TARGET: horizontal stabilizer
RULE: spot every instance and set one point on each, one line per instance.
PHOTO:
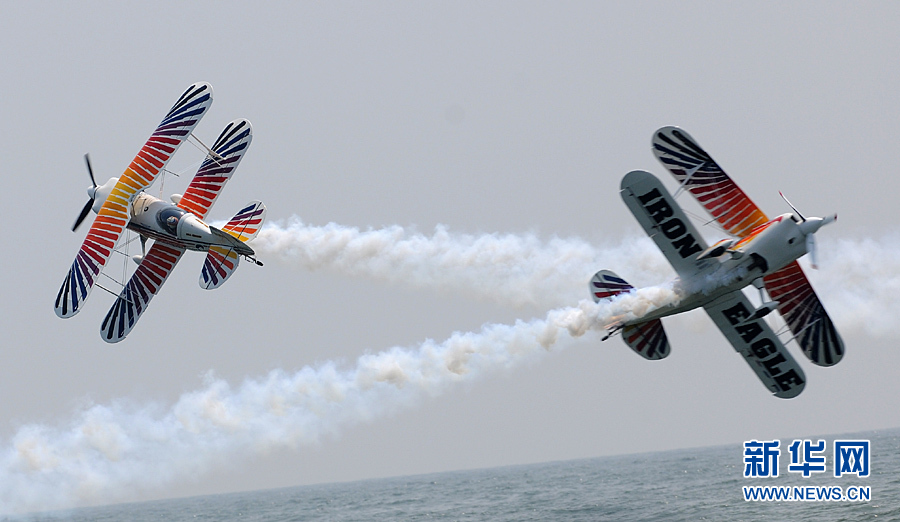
(647, 339)
(246, 224)
(606, 284)
(220, 263)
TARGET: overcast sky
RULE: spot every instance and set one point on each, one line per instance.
(512, 118)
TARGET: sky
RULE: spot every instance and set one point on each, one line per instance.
(461, 161)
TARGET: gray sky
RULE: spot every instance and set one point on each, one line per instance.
(502, 117)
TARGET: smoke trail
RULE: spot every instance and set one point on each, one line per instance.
(517, 270)
(859, 281)
(118, 451)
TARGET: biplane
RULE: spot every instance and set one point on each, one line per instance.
(761, 251)
(122, 203)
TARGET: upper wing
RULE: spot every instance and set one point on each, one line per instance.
(663, 220)
(759, 345)
(113, 215)
(216, 171)
(696, 171)
(143, 285)
(805, 315)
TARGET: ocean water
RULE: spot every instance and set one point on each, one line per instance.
(689, 484)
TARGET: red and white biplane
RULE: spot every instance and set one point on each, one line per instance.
(761, 252)
(121, 203)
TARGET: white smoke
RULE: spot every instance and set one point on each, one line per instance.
(116, 451)
(859, 279)
(517, 270)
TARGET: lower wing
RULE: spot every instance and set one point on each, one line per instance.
(146, 281)
(759, 345)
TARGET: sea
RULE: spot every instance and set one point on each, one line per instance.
(688, 484)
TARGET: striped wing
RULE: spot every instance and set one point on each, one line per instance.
(216, 171)
(698, 173)
(143, 285)
(805, 316)
(245, 225)
(113, 216)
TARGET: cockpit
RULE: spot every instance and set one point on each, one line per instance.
(168, 219)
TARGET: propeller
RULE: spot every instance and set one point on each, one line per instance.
(809, 227)
(91, 192)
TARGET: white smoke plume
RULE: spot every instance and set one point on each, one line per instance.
(116, 451)
(121, 450)
(859, 279)
(517, 270)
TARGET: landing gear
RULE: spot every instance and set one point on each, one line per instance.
(140, 257)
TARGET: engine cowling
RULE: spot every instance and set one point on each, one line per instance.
(99, 194)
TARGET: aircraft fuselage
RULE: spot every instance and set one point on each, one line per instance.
(156, 219)
(765, 250)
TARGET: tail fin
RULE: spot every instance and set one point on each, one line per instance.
(222, 261)
(647, 339)
(245, 225)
